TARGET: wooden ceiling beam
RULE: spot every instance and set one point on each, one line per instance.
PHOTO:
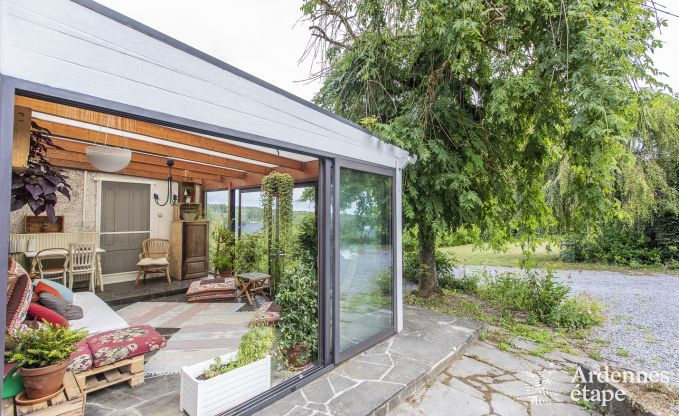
(98, 137)
(309, 173)
(136, 166)
(78, 147)
(154, 130)
(70, 164)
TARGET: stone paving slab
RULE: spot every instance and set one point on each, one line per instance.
(376, 381)
(373, 382)
(489, 381)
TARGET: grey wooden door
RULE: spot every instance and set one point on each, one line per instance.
(125, 224)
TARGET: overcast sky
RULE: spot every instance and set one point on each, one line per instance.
(264, 37)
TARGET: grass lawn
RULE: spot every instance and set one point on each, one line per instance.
(542, 258)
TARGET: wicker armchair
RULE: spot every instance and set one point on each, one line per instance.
(153, 259)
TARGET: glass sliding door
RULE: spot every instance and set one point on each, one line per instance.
(365, 259)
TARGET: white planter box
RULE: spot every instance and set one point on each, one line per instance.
(213, 396)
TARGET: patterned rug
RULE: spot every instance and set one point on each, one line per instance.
(206, 330)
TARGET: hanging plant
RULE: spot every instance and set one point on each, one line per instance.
(278, 226)
(38, 184)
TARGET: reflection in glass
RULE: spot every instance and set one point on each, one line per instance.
(365, 256)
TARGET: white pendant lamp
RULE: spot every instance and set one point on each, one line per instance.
(107, 158)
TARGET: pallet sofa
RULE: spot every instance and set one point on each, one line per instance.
(114, 352)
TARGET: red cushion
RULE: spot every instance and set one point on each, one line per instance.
(41, 313)
(81, 359)
(119, 344)
(19, 294)
(42, 287)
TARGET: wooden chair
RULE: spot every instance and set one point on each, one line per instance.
(82, 260)
(153, 258)
(52, 264)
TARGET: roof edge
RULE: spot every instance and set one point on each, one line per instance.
(162, 37)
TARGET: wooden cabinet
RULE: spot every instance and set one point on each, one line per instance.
(189, 254)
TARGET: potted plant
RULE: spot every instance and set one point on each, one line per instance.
(37, 186)
(277, 191)
(42, 356)
(213, 386)
(188, 193)
(298, 302)
(224, 253)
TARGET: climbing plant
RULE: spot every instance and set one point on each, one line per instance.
(277, 203)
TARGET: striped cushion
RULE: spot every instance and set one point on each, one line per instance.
(19, 294)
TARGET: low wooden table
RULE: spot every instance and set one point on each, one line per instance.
(70, 402)
(253, 284)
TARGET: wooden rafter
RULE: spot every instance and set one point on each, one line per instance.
(135, 166)
(93, 136)
(154, 130)
(308, 173)
(77, 147)
(70, 164)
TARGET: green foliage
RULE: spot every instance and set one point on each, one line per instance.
(461, 236)
(254, 345)
(277, 187)
(491, 97)
(224, 252)
(384, 283)
(468, 283)
(618, 244)
(49, 345)
(530, 291)
(298, 300)
(307, 240)
(250, 252)
(579, 312)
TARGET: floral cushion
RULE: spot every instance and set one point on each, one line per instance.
(210, 290)
(19, 294)
(267, 314)
(120, 344)
(81, 359)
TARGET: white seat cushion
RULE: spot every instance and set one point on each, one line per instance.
(97, 315)
(148, 261)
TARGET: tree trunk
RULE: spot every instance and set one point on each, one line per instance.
(429, 284)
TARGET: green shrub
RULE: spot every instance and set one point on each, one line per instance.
(250, 254)
(468, 283)
(306, 240)
(623, 245)
(223, 254)
(255, 344)
(49, 345)
(298, 300)
(531, 291)
(578, 312)
(384, 283)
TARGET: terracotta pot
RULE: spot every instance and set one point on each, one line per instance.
(41, 382)
(293, 355)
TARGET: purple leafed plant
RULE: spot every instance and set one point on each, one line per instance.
(38, 185)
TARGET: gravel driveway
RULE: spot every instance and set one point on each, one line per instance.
(642, 326)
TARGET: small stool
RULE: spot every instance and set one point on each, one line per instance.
(212, 290)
